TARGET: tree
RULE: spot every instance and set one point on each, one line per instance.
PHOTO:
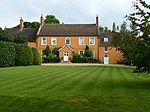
(51, 19)
(4, 36)
(20, 39)
(47, 51)
(141, 19)
(30, 25)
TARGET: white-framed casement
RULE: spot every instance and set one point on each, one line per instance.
(93, 53)
(43, 41)
(105, 39)
(106, 49)
(53, 41)
(81, 40)
(81, 52)
(67, 41)
(91, 41)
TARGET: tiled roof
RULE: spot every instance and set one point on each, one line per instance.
(105, 35)
(68, 30)
(29, 33)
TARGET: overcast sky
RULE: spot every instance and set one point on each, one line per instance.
(67, 11)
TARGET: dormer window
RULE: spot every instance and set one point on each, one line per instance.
(67, 41)
(105, 39)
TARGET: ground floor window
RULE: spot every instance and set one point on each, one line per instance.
(81, 52)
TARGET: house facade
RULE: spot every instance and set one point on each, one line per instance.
(71, 38)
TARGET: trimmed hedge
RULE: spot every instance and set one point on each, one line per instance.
(37, 59)
(24, 55)
(7, 54)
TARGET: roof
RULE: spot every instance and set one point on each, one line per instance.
(29, 33)
(66, 46)
(105, 35)
(68, 30)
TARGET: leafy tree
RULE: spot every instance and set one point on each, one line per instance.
(30, 25)
(47, 51)
(4, 36)
(51, 19)
(56, 52)
(141, 19)
(37, 59)
(88, 53)
(21, 40)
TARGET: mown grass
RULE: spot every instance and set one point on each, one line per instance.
(73, 89)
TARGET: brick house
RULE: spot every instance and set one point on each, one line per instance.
(70, 38)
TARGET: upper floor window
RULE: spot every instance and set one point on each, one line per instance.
(67, 41)
(81, 41)
(92, 41)
(106, 49)
(43, 41)
(53, 41)
(105, 39)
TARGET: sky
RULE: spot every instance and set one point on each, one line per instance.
(67, 11)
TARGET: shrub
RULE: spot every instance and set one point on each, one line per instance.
(7, 54)
(36, 57)
(85, 60)
(55, 51)
(47, 51)
(76, 58)
(24, 55)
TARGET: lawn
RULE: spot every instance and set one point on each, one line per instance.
(73, 89)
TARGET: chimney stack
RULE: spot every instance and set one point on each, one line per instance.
(97, 22)
(21, 23)
(113, 27)
(42, 20)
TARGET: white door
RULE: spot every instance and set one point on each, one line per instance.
(106, 59)
(66, 56)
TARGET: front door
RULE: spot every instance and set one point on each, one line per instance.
(66, 56)
(106, 59)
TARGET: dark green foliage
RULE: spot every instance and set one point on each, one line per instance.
(30, 25)
(88, 54)
(4, 36)
(76, 58)
(55, 51)
(7, 54)
(84, 60)
(24, 55)
(86, 48)
(51, 19)
(51, 58)
(37, 60)
(47, 51)
(20, 40)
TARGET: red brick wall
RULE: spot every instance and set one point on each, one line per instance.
(74, 43)
(113, 55)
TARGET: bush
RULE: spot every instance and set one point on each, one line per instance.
(36, 57)
(51, 58)
(24, 55)
(84, 60)
(7, 54)
(76, 58)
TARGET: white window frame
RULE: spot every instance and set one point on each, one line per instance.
(105, 49)
(81, 50)
(69, 39)
(43, 41)
(105, 39)
(80, 42)
(93, 52)
(53, 38)
(90, 40)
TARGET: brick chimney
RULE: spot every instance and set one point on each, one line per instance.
(42, 20)
(21, 23)
(97, 22)
(113, 27)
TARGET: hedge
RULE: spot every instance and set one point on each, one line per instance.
(7, 54)
(24, 55)
(37, 59)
